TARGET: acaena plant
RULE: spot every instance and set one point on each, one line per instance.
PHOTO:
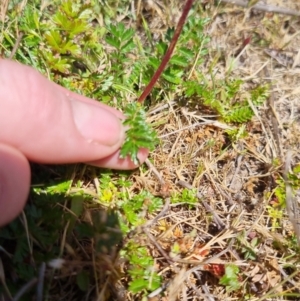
(139, 133)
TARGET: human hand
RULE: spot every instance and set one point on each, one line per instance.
(43, 122)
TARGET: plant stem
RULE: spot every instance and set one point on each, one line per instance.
(169, 52)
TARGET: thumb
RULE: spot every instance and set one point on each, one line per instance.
(14, 183)
(50, 124)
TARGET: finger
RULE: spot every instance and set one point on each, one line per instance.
(49, 124)
(14, 183)
(113, 161)
(87, 100)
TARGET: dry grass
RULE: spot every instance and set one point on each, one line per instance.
(235, 180)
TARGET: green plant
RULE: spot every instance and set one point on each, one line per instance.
(186, 196)
(231, 278)
(130, 213)
(29, 244)
(139, 133)
(276, 215)
(136, 208)
(135, 136)
(280, 189)
(248, 249)
(237, 133)
(81, 46)
(144, 277)
(133, 213)
(278, 202)
(225, 98)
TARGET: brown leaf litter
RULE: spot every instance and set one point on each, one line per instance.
(236, 181)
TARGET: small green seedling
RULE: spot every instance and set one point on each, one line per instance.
(231, 279)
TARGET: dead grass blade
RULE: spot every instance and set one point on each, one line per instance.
(292, 206)
(266, 8)
(16, 46)
(3, 9)
(2, 280)
(176, 285)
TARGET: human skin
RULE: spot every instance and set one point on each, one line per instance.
(43, 122)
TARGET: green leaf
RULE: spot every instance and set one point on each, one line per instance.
(172, 76)
(117, 30)
(187, 53)
(239, 114)
(59, 188)
(71, 48)
(230, 279)
(127, 47)
(155, 204)
(127, 34)
(112, 41)
(131, 216)
(85, 230)
(57, 63)
(155, 282)
(193, 88)
(54, 39)
(60, 19)
(259, 95)
(161, 48)
(83, 280)
(139, 135)
(138, 285)
(77, 27)
(179, 61)
(296, 169)
(30, 22)
(154, 62)
(231, 271)
(68, 8)
(107, 83)
(77, 205)
(77, 209)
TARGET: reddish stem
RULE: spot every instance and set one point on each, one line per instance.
(169, 52)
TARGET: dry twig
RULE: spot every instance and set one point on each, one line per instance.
(291, 202)
(273, 118)
(16, 45)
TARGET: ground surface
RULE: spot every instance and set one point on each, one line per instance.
(236, 181)
(237, 220)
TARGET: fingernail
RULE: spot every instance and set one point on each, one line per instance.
(97, 124)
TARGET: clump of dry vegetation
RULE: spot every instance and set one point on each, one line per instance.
(213, 214)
